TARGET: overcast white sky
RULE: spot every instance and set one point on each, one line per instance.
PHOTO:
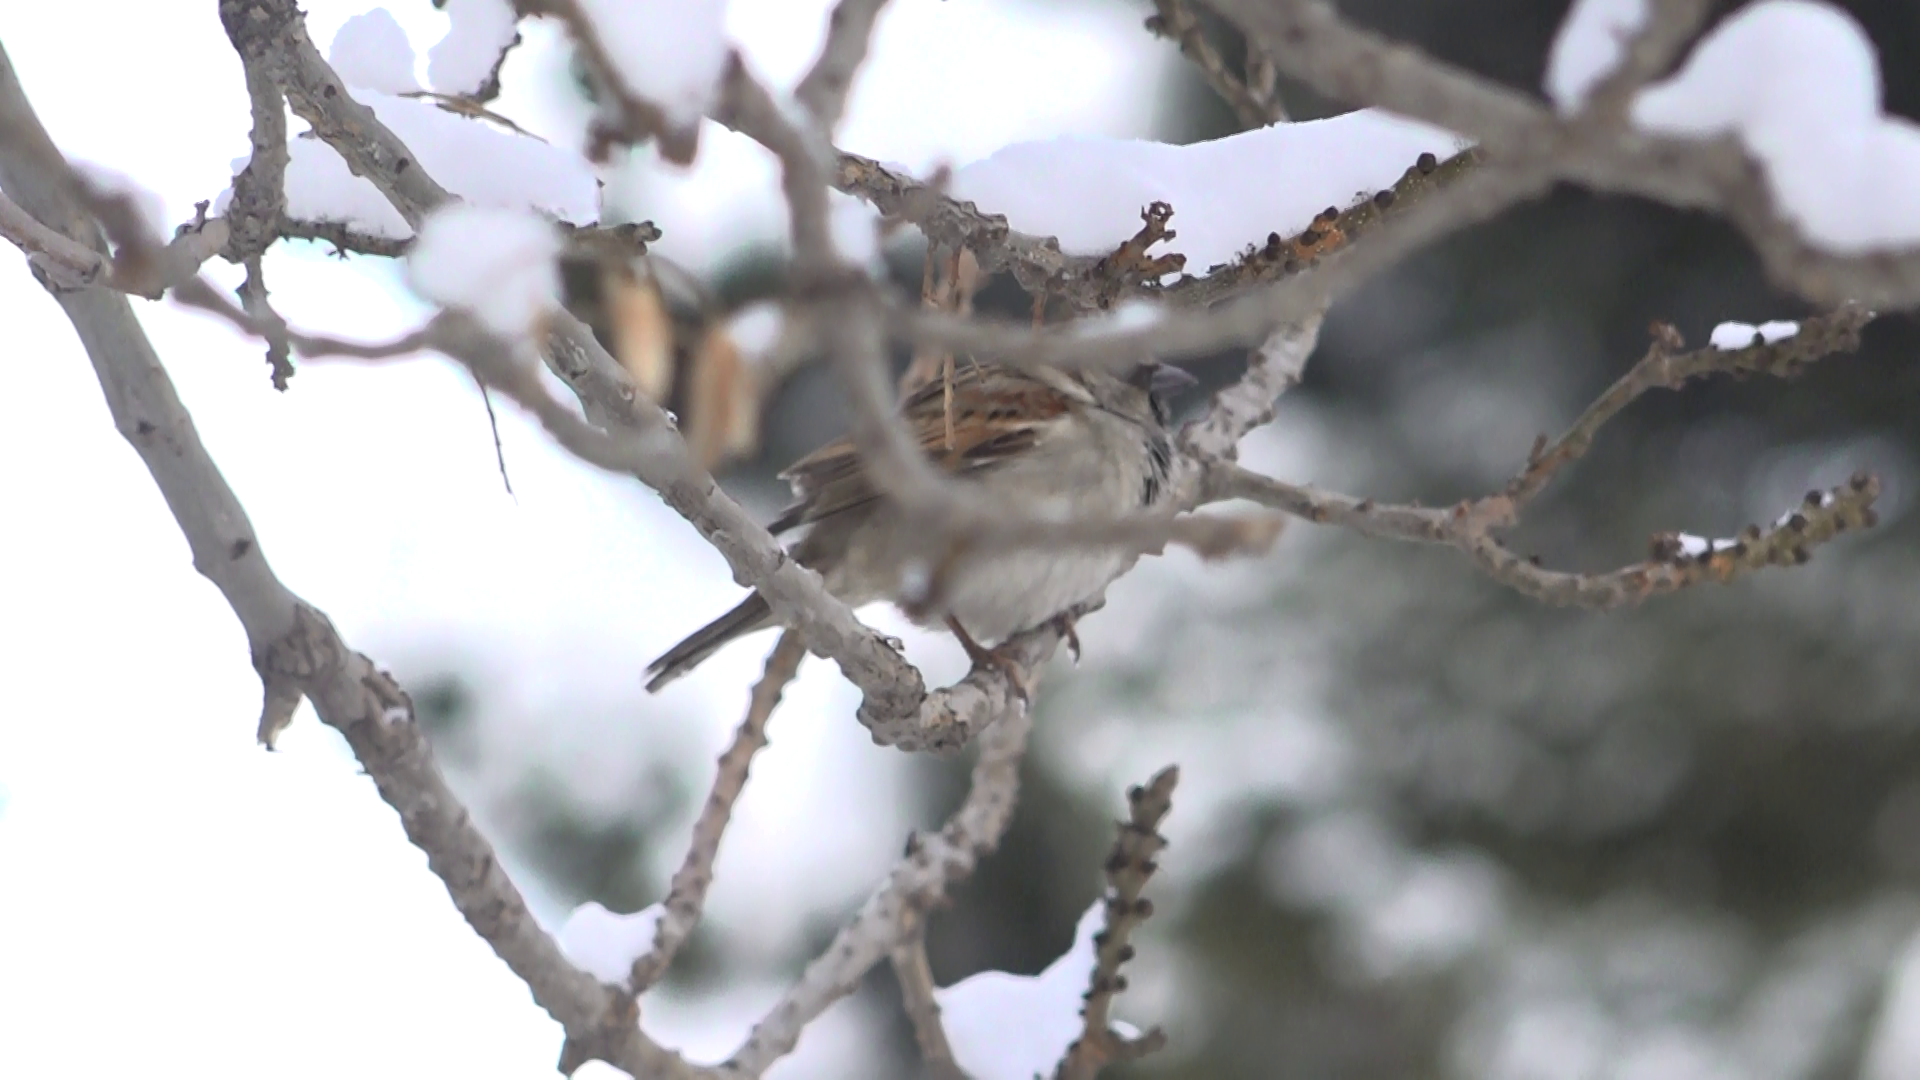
(173, 897)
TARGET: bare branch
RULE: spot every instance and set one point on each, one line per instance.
(1128, 869)
(687, 893)
(915, 976)
(1665, 367)
(344, 238)
(1670, 26)
(930, 868)
(624, 117)
(1177, 21)
(295, 649)
(1469, 526)
(1310, 41)
(824, 90)
(68, 264)
(260, 190)
(1273, 369)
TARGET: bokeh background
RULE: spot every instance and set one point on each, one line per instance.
(1426, 828)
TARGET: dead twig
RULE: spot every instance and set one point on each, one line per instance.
(687, 892)
(1128, 869)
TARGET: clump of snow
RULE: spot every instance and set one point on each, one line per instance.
(1799, 83)
(1817, 500)
(1226, 194)
(669, 52)
(472, 159)
(1589, 47)
(1016, 1027)
(600, 1070)
(1693, 547)
(1133, 314)
(604, 944)
(496, 265)
(855, 228)
(756, 329)
(478, 31)
(1730, 336)
(371, 50)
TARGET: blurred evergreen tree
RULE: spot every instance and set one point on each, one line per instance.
(1689, 825)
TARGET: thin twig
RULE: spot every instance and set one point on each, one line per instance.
(933, 866)
(1468, 527)
(915, 976)
(824, 89)
(1128, 870)
(493, 425)
(1665, 367)
(1669, 26)
(687, 892)
(1177, 20)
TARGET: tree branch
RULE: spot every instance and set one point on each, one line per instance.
(1177, 21)
(1128, 869)
(915, 976)
(1313, 43)
(930, 868)
(687, 893)
(296, 650)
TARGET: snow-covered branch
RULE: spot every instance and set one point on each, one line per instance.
(1829, 207)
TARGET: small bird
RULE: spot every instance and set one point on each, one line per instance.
(1079, 443)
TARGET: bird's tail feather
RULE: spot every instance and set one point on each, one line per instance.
(750, 615)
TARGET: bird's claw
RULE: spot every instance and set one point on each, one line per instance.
(1063, 625)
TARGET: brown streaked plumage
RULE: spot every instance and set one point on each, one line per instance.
(1082, 443)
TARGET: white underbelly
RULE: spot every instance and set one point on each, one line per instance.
(998, 598)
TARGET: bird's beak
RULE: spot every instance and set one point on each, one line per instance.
(1168, 380)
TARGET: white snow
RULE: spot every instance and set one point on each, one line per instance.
(600, 1070)
(1226, 194)
(603, 943)
(1589, 47)
(497, 265)
(370, 50)
(756, 329)
(480, 163)
(1133, 314)
(1799, 83)
(669, 52)
(478, 32)
(855, 228)
(1729, 336)
(1826, 499)
(1693, 547)
(474, 160)
(1016, 1027)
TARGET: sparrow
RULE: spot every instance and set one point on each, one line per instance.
(1074, 443)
